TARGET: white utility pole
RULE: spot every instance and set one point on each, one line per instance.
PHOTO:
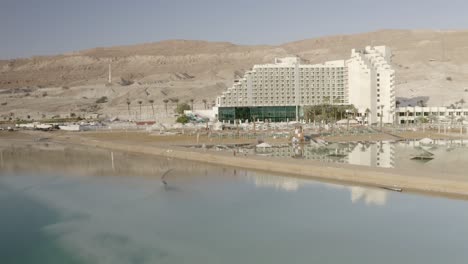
(110, 74)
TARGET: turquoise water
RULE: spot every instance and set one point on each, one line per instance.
(87, 206)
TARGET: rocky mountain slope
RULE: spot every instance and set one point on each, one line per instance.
(432, 65)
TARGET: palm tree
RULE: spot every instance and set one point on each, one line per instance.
(191, 103)
(461, 102)
(353, 110)
(381, 116)
(452, 117)
(325, 102)
(128, 106)
(397, 121)
(368, 111)
(151, 101)
(433, 118)
(140, 102)
(421, 104)
(407, 115)
(336, 101)
(165, 101)
(176, 101)
(204, 102)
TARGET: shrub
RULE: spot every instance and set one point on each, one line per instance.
(44, 94)
(102, 100)
(182, 119)
(65, 87)
(126, 82)
(449, 79)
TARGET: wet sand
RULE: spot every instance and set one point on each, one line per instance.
(451, 185)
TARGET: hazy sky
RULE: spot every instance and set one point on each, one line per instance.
(39, 27)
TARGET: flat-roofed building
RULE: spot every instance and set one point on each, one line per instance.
(433, 114)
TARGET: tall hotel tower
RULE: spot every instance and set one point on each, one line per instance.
(279, 91)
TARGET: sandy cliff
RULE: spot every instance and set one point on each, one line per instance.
(432, 64)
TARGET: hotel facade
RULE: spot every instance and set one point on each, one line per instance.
(279, 91)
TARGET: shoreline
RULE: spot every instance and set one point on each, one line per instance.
(342, 173)
(450, 186)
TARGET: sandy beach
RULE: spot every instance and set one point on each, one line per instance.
(427, 182)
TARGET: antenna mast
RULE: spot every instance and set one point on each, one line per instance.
(110, 74)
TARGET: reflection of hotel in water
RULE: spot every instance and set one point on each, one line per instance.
(276, 182)
(369, 196)
(374, 155)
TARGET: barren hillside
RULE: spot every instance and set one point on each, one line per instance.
(432, 64)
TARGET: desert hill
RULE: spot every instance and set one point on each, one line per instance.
(432, 65)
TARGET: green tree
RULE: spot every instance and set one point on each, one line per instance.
(182, 107)
(182, 119)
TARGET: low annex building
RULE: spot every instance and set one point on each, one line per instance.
(279, 91)
(434, 114)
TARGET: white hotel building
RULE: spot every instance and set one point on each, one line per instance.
(280, 90)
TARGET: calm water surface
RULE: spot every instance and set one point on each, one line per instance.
(59, 205)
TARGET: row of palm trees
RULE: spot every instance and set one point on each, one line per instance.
(166, 102)
(331, 113)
